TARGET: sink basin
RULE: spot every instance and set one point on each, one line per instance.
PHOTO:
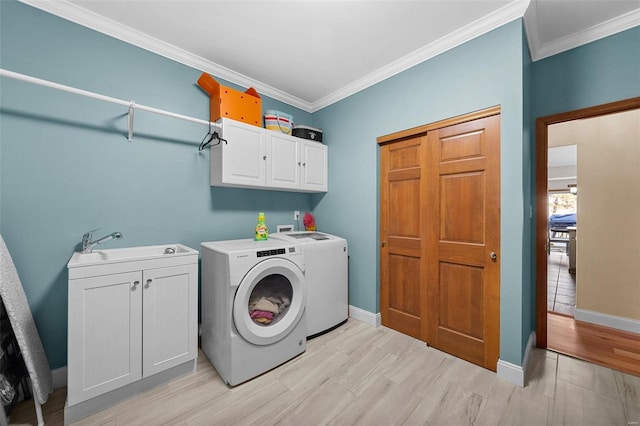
(129, 254)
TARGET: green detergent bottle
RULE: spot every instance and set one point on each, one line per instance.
(262, 233)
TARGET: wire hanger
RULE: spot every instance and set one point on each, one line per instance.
(211, 136)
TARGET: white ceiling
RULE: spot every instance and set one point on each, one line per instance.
(311, 54)
(560, 156)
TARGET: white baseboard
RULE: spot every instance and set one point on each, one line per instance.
(513, 373)
(606, 320)
(364, 316)
(59, 377)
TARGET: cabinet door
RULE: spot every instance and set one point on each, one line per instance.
(241, 161)
(283, 161)
(314, 166)
(170, 317)
(105, 334)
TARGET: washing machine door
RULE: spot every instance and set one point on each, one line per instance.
(269, 301)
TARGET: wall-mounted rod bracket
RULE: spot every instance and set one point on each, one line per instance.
(132, 106)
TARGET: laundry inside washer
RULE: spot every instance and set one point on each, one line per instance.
(270, 299)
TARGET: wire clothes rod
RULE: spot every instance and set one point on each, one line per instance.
(130, 104)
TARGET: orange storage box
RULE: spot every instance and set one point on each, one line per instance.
(230, 103)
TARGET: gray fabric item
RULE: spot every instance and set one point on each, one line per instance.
(17, 306)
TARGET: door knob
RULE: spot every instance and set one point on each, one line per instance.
(493, 255)
(383, 243)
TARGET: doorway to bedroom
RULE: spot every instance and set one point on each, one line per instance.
(562, 187)
(604, 327)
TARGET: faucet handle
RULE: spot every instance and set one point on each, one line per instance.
(89, 234)
(86, 238)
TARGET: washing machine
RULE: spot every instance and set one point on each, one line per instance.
(253, 306)
(327, 277)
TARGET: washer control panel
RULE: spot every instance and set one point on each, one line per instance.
(273, 252)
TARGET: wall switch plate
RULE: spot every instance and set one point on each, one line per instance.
(296, 215)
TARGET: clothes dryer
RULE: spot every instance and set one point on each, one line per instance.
(253, 306)
(327, 278)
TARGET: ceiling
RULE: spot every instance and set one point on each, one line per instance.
(311, 54)
(560, 156)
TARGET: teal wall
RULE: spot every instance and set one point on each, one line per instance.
(481, 73)
(604, 71)
(66, 165)
(528, 162)
(600, 72)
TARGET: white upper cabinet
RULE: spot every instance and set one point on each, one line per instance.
(241, 160)
(283, 169)
(314, 166)
(253, 157)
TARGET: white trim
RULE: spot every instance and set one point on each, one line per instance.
(510, 372)
(531, 343)
(530, 22)
(513, 373)
(59, 377)
(364, 316)
(500, 17)
(71, 12)
(79, 15)
(606, 320)
(580, 38)
(504, 15)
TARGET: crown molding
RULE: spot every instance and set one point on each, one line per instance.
(502, 16)
(530, 22)
(596, 32)
(71, 12)
(512, 11)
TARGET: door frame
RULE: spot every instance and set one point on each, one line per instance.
(542, 208)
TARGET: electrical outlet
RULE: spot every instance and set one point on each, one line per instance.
(296, 215)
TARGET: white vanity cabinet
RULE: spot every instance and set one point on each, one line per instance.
(128, 321)
(105, 334)
(258, 158)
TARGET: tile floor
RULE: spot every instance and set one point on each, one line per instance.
(561, 285)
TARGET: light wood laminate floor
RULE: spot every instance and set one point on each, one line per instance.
(602, 345)
(364, 375)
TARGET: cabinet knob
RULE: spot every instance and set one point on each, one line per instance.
(148, 282)
(135, 285)
(264, 158)
(304, 164)
(299, 163)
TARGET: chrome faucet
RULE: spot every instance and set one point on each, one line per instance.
(88, 245)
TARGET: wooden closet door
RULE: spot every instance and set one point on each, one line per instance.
(464, 239)
(402, 230)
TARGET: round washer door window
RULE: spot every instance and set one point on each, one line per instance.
(270, 301)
